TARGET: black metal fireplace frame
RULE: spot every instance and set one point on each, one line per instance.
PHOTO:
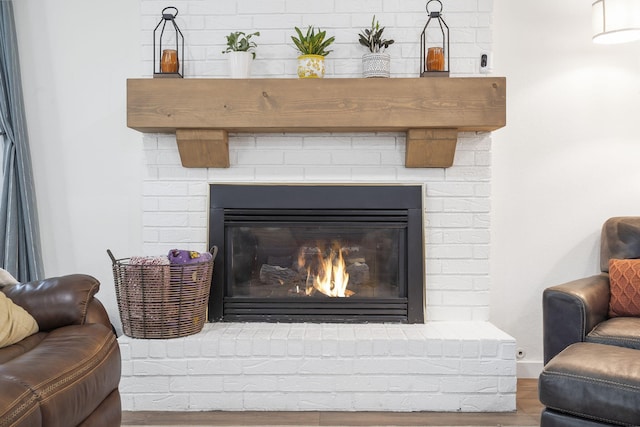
(397, 204)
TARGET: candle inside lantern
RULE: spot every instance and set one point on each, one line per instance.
(435, 59)
(169, 61)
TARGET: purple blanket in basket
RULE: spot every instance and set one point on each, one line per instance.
(188, 267)
(181, 256)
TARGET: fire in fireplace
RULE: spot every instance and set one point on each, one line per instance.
(324, 253)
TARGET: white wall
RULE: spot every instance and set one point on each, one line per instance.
(75, 57)
(566, 161)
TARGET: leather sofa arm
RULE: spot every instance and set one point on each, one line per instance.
(96, 313)
(59, 301)
(571, 310)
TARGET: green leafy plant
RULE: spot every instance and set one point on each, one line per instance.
(312, 43)
(371, 38)
(241, 42)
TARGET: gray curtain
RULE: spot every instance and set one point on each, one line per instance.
(19, 232)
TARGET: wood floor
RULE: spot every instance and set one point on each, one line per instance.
(527, 414)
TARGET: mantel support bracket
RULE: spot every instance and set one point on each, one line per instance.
(431, 148)
(203, 148)
(209, 148)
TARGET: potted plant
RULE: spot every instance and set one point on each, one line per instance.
(241, 50)
(313, 48)
(376, 63)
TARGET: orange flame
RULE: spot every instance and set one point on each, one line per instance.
(331, 277)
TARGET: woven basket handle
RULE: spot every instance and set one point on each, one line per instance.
(113, 259)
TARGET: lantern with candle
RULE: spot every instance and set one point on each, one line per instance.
(168, 46)
(434, 43)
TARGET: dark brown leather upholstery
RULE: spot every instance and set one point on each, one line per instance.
(594, 382)
(67, 374)
(551, 418)
(592, 362)
(620, 239)
(619, 331)
(55, 302)
(572, 310)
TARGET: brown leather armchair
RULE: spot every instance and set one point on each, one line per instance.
(592, 367)
(68, 373)
(577, 311)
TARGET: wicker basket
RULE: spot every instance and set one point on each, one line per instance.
(162, 301)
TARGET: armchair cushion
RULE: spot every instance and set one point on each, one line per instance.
(15, 323)
(624, 281)
(618, 331)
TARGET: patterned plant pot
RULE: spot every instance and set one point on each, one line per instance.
(240, 64)
(376, 65)
(310, 66)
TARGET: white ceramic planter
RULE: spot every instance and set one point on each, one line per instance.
(240, 64)
(310, 66)
(376, 65)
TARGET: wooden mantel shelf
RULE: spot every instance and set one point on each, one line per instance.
(201, 112)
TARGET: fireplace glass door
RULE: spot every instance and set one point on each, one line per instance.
(294, 260)
(303, 260)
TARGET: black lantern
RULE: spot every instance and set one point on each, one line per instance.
(168, 47)
(434, 43)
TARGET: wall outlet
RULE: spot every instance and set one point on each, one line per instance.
(486, 62)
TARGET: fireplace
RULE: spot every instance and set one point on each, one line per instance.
(319, 253)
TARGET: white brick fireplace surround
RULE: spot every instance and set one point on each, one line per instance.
(457, 361)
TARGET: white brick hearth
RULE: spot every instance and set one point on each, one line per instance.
(457, 361)
(438, 366)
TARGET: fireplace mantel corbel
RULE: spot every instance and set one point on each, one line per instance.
(201, 112)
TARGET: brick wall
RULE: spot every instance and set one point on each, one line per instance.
(457, 199)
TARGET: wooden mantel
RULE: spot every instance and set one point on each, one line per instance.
(201, 112)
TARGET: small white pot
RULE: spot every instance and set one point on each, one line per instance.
(240, 64)
(376, 65)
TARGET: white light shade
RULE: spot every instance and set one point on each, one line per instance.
(616, 21)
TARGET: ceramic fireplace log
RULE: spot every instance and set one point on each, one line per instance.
(276, 275)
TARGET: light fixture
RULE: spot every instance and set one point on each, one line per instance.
(434, 44)
(165, 61)
(615, 21)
